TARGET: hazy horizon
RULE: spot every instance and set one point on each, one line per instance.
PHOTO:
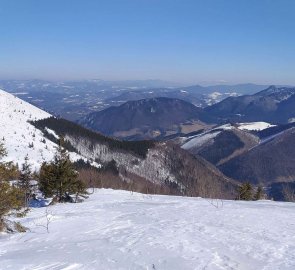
(186, 42)
(163, 82)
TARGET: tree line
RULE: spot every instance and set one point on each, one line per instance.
(62, 126)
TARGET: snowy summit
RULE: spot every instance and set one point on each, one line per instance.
(20, 137)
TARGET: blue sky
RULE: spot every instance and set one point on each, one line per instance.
(187, 41)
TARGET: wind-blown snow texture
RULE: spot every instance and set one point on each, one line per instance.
(21, 138)
(120, 230)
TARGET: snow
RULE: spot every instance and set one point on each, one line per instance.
(120, 230)
(200, 140)
(205, 137)
(16, 133)
(224, 127)
(255, 126)
(215, 95)
(52, 132)
(232, 94)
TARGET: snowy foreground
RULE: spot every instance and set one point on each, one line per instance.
(120, 230)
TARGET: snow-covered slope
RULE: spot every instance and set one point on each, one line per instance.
(19, 136)
(254, 126)
(215, 97)
(208, 136)
(204, 137)
(118, 230)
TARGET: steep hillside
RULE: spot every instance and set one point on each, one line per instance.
(20, 137)
(162, 164)
(220, 144)
(256, 152)
(271, 161)
(274, 104)
(146, 119)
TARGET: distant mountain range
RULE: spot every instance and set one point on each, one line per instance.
(201, 96)
(75, 99)
(161, 117)
(274, 104)
(144, 166)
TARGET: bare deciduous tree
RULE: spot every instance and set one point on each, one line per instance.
(289, 193)
(48, 219)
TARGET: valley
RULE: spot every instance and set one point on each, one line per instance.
(147, 135)
(188, 145)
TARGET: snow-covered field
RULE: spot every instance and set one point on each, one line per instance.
(120, 230)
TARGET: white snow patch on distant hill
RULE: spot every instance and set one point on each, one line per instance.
(254, 126)
(199, 140)
(120, 230)
(214, 95)
(224, 127)
(203, 138)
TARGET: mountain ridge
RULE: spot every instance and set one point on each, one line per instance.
(274, 105)
(146, 118)
(158, 167)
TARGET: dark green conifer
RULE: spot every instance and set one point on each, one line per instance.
(59, 178)
(245, 192)
(25, 180)
(10, 196)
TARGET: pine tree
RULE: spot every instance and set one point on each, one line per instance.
(25, 180)
(10, 196)
(59, 178)
(2, 150)
(47, 179)
(245, 192)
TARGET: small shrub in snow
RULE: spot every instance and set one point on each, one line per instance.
(19, 228)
